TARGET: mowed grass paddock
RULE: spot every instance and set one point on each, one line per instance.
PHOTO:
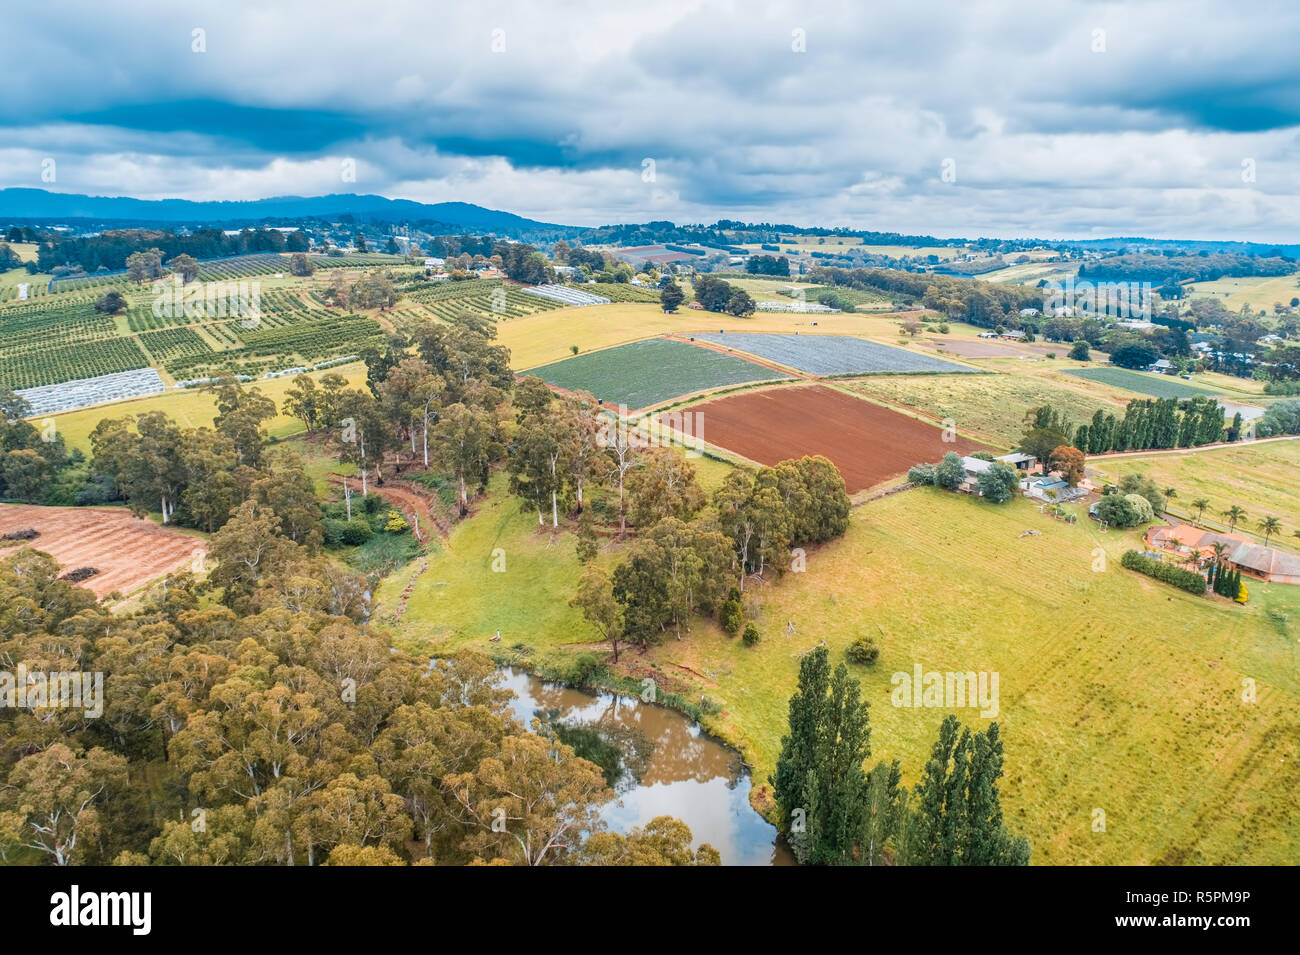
(991, 406)
(1115, 692)
(1264, 479)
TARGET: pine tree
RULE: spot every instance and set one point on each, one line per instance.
(799, 746)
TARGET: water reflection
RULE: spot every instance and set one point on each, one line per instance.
(681, 772)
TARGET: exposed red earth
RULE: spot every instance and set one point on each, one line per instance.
(869, 444)
(127, 551)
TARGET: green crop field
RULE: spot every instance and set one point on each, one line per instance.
(649, 372)
(1261, 478)
(1115, 691)
(1157, 386)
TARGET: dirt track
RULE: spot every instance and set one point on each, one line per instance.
(868, 443)
(127, 551)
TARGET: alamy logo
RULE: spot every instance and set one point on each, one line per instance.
(175, 299)
(75, 907)
(947, 690)
(66, 690)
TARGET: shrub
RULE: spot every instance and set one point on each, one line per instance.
(921, 474)
(396, 523)
(1242, 595)
(1187, 580)
(28, 533)
(1050, 354)
(355, 532)
(731, 616)
(943, 328)
(1080, 351)
(863, 650)
(751, 635)
(582, 669)
(1123, 510)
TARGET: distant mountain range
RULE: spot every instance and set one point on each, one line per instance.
(53, 207)
(39, 206)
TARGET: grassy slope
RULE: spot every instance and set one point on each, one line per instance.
(1257, 291)
(1261, 479)
(1116, 691)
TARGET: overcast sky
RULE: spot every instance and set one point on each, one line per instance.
(1167, 119)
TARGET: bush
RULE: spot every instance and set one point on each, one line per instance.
(943, 328)
(1080, 351)
(583, 669)
(921, 474)
(341, 533)
(751, 635)
(730, 615)
(395, 523)
(863, 651)
(1050, 355)
(1187, 580)
(1123, 510)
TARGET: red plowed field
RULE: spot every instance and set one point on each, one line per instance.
(127, 551)
(868, 443)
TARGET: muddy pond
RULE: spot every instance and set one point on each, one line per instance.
(659, 763)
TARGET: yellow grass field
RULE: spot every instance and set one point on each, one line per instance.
(1115, 692)
(1259, 478)
(192, 408)
(1257, 291)
(989, 407)
(546, 336)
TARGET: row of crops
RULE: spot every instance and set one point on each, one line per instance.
(487, 297)
(621, 292)
(173, 343)
(323, 337)
(53, 364)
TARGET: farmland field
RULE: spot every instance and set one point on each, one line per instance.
(193, 408)
(991, 407)
(649, 372)
(1261, 478)
(1257, 291)
(127, 551)
(868, 443)
(1157, 386)
(834, 354)
(1145, 722)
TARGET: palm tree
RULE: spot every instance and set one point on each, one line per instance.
(1270, 526)
(1169, 492)
(1201, 503)
(1233, 514)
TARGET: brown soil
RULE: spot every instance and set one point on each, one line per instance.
(868, 443)
(127, 551)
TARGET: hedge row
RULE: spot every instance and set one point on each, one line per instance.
(1187, 580)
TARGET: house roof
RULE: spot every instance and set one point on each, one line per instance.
(976, 465)
(1266, 560)
(1188, 536)
(1015, 457)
